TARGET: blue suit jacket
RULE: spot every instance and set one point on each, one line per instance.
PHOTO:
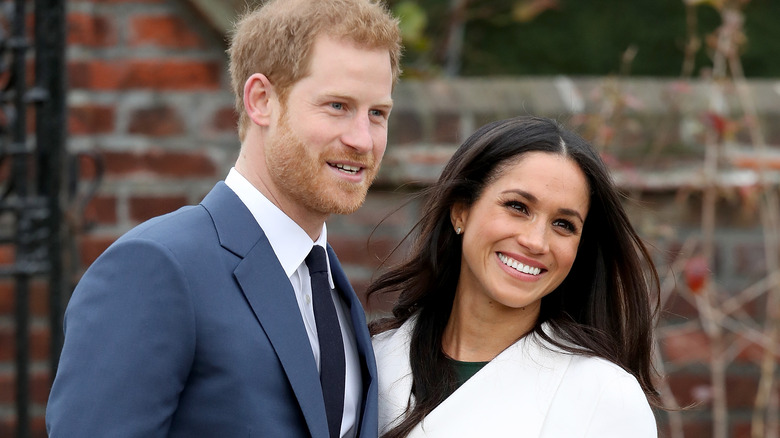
(187, 326)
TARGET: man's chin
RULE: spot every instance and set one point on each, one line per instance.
(347, 203)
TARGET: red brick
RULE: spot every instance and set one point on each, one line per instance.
(91, 30)
(37, 427)
(386, 211)
(101, 210)
(163, 163)
(90, 119)
(741, 390)
(122, 163)
(8, 424)
(405, 128)
(98, 75)
(5, 165)
(677, 307)
(143, 208)
(225, 119)
(93, 246)
(7, 254)
(175, 75)
(7, 388)
(88, 164)
(7, 298)
(741, 429)
(31, 122)
(163, 31)
(40, 383)
(38, 296)
(690, 389)
(697, 429)
(447, 128)
(158, 74)
(180, 164)
(7, 349)
(683, 347)
(158, 122)
(358, 251)
(39, 343)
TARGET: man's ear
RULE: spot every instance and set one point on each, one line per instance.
(259, 99)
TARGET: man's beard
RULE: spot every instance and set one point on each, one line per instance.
(300, 175)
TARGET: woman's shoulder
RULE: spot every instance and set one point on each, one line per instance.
(394, 338)
(598, 367)
(582, 363)
(597, 374)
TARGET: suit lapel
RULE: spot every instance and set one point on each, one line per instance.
(272, 299)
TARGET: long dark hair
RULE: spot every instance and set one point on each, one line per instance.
(602, 308)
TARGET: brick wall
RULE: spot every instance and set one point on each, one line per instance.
(149, 95)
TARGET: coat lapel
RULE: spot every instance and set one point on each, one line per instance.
(521, 380)
(272, 299)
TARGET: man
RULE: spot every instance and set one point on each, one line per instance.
(204, 322)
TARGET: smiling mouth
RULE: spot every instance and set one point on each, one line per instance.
(351, 170)
(512, 263)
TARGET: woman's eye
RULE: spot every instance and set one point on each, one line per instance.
(519, 206)
(566, 225)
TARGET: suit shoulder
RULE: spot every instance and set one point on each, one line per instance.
(183, 218)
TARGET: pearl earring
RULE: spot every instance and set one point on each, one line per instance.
(459, 230)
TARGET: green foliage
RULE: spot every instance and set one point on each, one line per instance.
(577, 37)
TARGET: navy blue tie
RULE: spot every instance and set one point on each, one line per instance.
(332, 362)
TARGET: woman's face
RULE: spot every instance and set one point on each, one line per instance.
(520, 237)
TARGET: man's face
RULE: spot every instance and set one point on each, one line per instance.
(332, 131)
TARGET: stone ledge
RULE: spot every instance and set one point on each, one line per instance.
(420, 165)
(562, 95)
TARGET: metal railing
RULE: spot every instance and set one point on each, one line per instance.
(33, 169)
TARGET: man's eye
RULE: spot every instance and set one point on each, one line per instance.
(337, 105)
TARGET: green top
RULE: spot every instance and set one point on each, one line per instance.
(464, 370)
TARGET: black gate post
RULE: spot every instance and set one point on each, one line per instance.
(51, 123)
(19, 46)
(32, 196)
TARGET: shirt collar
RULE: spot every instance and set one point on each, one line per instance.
(289, 241)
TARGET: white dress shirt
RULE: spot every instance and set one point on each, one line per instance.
(291, 245)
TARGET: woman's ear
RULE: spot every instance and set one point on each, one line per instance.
(259, 99)
(459, 214)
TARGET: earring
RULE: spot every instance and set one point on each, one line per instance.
(458, 230)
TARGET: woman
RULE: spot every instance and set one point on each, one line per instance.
(524, 308)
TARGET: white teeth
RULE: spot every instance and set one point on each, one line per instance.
(346, 168)
(519, 266)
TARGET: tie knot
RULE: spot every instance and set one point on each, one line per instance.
(316, 260)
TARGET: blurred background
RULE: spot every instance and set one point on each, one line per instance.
(114, 111)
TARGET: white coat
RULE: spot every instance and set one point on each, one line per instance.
(532, 389)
